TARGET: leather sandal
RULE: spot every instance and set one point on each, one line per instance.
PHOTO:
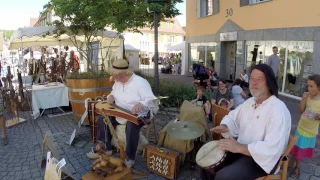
(296, 173)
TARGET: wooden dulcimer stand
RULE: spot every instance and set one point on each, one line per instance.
(107, 110)
(14, 101)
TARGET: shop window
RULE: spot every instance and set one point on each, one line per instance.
(295, 63)
(205, 51)
(299, 64)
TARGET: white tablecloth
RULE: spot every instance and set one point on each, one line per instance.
(48, 96)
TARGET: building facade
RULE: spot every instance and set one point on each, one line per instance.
(170, 33)
(233, 35)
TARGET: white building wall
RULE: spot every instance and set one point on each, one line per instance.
(145, 41)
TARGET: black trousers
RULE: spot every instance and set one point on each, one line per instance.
(244, 84)
(238, 166)
(132, 135)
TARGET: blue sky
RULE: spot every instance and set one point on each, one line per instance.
(17, 13)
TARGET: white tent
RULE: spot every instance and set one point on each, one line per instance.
(36, 55)
(180, 48)
(44, 36)
(132, 54)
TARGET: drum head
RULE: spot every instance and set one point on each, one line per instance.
(209, 154)
(226, 135)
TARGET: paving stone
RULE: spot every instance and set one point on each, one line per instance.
(290, 178)
(77, 176)
(314, 178)
(35, 175)
(304, 176)
(18, 177)
(307, 168)
(11, 173)
(26, 176)
(26, 171)
(317, 171)
(80, 144)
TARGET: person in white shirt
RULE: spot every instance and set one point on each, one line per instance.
(238, 93)
(244, 78)
(130, 92)
(262, 126)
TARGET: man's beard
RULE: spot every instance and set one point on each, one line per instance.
(257, 94)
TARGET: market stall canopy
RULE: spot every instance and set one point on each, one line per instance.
(45, 36)
(128, 47)
(177, 47)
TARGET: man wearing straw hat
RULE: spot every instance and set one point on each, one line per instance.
(130, 92)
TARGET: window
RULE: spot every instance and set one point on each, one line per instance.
(295, 62)
(207, 7)
(258, 1)
(206, 51)
(248, 2)
(172, 38)
(168, 23)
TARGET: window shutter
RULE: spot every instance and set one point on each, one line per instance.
(198, 9)
(216, 6)
(244, 2)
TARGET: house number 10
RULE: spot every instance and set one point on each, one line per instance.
(229, 12)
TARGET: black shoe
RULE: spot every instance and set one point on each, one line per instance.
(5, 140)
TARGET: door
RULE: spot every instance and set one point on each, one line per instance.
(231, 60)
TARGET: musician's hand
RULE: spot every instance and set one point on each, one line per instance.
(230, 145)
(220, 129)
(110, 99)
(137, 108)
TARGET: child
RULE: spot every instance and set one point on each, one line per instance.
(307, 129)
(202, 101)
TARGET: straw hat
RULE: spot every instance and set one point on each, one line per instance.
(200, 61)
(120, 66)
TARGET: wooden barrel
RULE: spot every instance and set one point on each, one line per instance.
(81, 89)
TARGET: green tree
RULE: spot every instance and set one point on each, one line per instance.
(88, 17)
(7, 33)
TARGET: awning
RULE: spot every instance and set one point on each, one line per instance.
(44, 36)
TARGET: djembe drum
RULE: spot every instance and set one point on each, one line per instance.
(211, 157)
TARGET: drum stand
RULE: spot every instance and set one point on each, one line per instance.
(193, 153)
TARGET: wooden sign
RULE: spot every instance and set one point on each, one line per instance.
(47, 142)
(163, 162)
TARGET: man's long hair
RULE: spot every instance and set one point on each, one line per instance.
(270, 77)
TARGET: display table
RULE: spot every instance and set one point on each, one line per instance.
(48, 96)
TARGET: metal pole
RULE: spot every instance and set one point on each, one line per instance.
(156, 55)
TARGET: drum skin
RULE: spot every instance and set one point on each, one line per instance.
(211, 157)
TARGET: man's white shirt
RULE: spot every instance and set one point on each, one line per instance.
(265, 130)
